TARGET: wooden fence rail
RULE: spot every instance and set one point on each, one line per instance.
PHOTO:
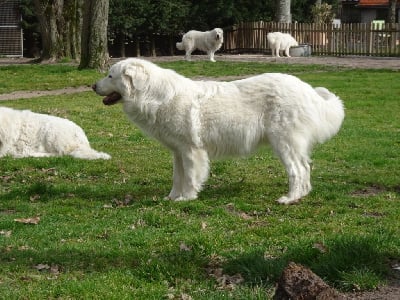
(324, 39)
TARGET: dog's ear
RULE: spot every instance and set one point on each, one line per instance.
(137, 76)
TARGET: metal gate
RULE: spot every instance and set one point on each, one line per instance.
(11, 40)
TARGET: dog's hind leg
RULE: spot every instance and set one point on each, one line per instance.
(287, 51)
(188, 54)
(294, 155)
(299, 179)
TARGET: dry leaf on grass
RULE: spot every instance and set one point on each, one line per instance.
(24, 248)
(321, 247)
(53, 269)
(34, 220)
(224, 281)
(228, 282)
(35, 197)
(42, 267)
(203, 225)
(6, 233)
(184, 247)
(122, 203)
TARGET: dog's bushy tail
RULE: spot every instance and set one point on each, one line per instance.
(179, 46)
(332, 114)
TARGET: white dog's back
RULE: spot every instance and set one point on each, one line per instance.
(279, 41)
(25, 133)
(207, 41)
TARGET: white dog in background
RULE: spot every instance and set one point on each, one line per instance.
(208, 41)
(202, 120)
(279, 41)
(27, 134)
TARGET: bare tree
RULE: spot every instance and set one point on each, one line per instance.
(94, 35)
(283, 14)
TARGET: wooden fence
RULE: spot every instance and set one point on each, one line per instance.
(324, 39)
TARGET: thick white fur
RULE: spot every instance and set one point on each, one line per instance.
(208, 41)
(281, 41)
(27, 134)
(202, 120)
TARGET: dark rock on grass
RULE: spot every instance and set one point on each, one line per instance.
(300, 283)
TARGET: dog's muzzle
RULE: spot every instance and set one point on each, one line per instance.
(110, 99)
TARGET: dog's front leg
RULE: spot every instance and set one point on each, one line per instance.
(178, 174)
(211, 55)
(195, 166)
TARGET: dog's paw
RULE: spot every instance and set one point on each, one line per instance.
(180, 198)
(287, 201)
(185, 198)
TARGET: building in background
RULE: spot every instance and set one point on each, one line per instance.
(11, 41)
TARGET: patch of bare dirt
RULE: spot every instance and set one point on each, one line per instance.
(346, 61)
(33, 94)
(299, 283)
(369, 191)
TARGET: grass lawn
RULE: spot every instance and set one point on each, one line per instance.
(105, 231)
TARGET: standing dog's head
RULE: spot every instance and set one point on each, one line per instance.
(219, 34)
(122, 80)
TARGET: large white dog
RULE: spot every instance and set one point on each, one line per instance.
(208, 41)
(27, 134)
(201, 120)
(279, 41)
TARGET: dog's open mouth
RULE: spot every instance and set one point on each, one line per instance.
(111, 99)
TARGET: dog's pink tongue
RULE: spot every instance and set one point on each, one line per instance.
(112, 98)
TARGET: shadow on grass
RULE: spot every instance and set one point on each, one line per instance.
(45, 192)
(142, 264)
(344, 262)
(345, 256)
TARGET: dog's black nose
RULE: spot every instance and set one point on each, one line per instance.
(94, 87)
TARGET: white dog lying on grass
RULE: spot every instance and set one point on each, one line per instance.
(27, 134)
(201, 120)
(279, 41)
(208, 41)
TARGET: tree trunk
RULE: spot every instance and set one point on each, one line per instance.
(94, 53)
(57, 21)
(171, 44)
(392, 11)
(121, 43)
(47, 17)
(74, 16)
(137, 46)
(153, 45)
(283, 14)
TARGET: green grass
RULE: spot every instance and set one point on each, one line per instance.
(107, 233)
(43, 77)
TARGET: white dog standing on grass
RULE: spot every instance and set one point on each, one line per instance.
(202, 120)
(279, 41)
(27, 134)
(208, 41)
